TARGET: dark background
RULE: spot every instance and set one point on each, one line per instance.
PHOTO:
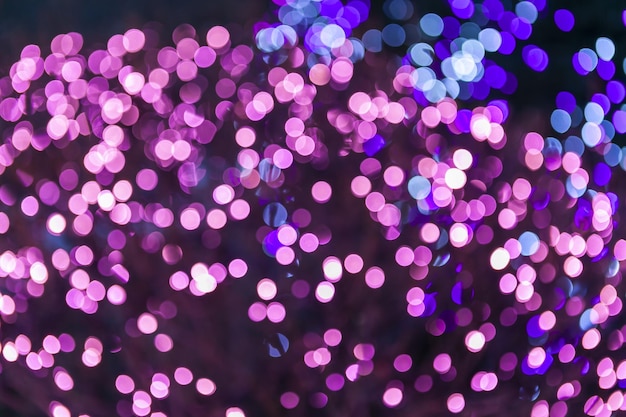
(38, 21)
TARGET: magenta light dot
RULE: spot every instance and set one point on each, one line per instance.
(360, 186)
(429, 233)
(305, 145)
(266, 289)
(619, 250)
(320, 74)
(360, 103)
(508, 283)
(146, 179)
(459, 234)
(475, 341)
(190, 219)
(183, 376)
(124, 384)
(321, 192)
(423, 383)
(122, 190)
(375, 201)
(30, 206)
(38, 272)
(285, 255)
(223, 194)
(332, 337)
(9, 352)
(415, 296)
(404, 256)
(276, 312)
(456, 403)
(58, 126)
(287, 235)
(342, 70)
(147, 323)
(353, 263)
(591, 339)
(364, 351)
(392, 397)
(216, 219)
(294, 127)
(33, 361)
(332, 269)
(163, 342)
(204, 56)
(402, 363)
(239, 209)
(179, 281)
(289, 400)
(375, 277)
(56, 224)
(235, 412)
(422, 256)
(63, 380)
(257, 311)
(442, 363)
(488, 381)
(282, 158)
(116, 295)
(309, 242)
(394, 176)
(217, 37)
(51, 344)
(335, 382)
(205, 386)
(59, 410)
(218, 271)
(325, 292)
(615, 401)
